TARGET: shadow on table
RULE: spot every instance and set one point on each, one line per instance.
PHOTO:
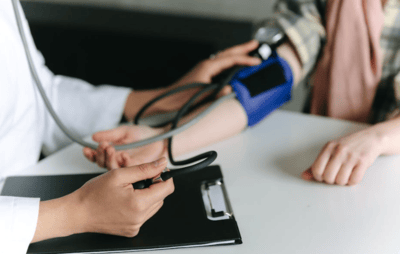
(295, 162)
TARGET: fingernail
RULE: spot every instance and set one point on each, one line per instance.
(306, 177)
(160, 161)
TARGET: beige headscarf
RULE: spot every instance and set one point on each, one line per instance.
(350, 69)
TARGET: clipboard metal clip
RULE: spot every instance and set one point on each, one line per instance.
(216, 201)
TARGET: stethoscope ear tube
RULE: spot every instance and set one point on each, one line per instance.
(76, 138)
(207, 157)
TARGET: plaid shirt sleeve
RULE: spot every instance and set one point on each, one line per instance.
(387, 99)
(302, 22)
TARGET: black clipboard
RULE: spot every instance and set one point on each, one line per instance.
(197, 214)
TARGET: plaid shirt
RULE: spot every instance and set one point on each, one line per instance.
(302, 21)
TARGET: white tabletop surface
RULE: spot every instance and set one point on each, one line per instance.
(276, 211)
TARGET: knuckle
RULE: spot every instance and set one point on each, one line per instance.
(363, 159)
(143, 168)
(353, 156)
(354, 181)
(331, 144)
(328, 178)
(342, 149)
(355, 178)
(341, 181)
(138, 206)
(115, 174)
(316, 173)
(329, 181)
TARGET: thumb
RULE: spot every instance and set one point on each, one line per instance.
(110, 135)
(143, 171)
(307, 175)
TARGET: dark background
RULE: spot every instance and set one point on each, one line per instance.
(126, 48)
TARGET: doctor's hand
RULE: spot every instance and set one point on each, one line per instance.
(106, 204)
(344, 161)
(106, 156)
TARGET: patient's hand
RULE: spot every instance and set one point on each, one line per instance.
(206, 70)
(106, 156)
(344, 161)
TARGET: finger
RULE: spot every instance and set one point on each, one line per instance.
(223, 63)
(357, 173)
(244, 48)
(101, 155)
(344, 173)
(143, 171)
(111, 161)
(333, 166)
(110, 135)
(89, 154)
(157, 192)
(319, 164)
(307, 175)
(126, 160)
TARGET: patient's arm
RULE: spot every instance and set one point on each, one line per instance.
(227, 120)
(203, 72)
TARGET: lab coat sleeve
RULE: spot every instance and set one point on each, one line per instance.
(18, 219)
(83, 108)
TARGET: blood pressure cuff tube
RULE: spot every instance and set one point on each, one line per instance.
(263, 88)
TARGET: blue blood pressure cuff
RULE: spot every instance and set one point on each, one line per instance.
(263, 88)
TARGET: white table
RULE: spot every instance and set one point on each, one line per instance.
(276, 211)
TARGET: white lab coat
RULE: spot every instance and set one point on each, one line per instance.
(26, 128)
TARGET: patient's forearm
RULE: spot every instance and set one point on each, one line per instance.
(229, 118)
(225, 121)
(287, 52)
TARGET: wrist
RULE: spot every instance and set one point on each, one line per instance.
(59, 218)
(383, 138)
(77, 214)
